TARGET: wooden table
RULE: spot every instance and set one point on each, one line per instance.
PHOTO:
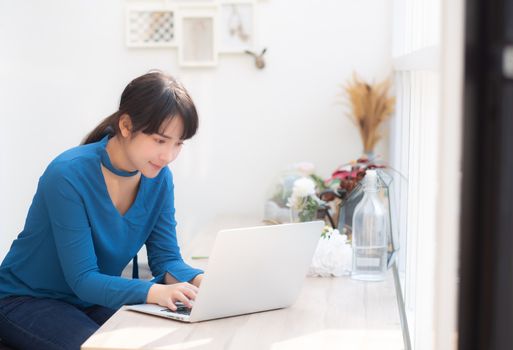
(330, 313)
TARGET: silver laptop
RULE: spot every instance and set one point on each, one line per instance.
(250, 270)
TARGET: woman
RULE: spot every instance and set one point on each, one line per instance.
(94, 208)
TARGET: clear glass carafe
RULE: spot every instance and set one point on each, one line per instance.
(370, 233)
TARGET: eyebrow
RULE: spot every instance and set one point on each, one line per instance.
(165, 136)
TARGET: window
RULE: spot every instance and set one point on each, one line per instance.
(414, 154)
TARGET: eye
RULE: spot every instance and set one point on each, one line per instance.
(160, 141)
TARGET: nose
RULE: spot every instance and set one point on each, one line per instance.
(169, 155)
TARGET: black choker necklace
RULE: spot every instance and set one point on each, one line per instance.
(106, 163)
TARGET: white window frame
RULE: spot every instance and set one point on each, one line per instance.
(429, 55)
(414, 153)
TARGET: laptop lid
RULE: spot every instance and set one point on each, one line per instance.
(256, 269)
(250, 270)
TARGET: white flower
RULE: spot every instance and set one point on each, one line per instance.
(303, 187)
(296, 202)
(328, 231)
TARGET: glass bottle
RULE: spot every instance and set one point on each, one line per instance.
(369, 233)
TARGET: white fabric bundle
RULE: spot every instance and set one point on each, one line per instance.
(333, 256)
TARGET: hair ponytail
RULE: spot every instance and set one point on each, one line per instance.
(107, 127)
(150, 100)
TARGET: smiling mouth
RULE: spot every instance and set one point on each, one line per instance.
(157, 167)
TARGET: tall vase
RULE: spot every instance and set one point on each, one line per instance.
(369, 154)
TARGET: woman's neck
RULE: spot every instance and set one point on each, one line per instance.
(118, 156)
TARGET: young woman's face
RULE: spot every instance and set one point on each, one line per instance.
(150, 153)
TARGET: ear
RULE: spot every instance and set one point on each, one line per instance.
(125, 125)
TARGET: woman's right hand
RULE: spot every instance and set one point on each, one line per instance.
(168, 294)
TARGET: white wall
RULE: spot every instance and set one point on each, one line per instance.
(63, 66)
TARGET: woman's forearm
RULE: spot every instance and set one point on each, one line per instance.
(168, 279)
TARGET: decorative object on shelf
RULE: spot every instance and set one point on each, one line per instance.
(302, 195)
(259, 59)
(336, 198)
(303, 201)
(197, 44)
(237, 26)
(201, 30)
(150, 28)
(276, 209)
(370, 106)
(340, 192)
(347, 191)
(332, 256)
(370, 234)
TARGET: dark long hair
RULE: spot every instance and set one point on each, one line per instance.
(150, 100)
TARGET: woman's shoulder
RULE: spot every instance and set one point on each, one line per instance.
(83, 151)
(75, 160)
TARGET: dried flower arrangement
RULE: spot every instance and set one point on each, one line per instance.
(312, 197)
(371, 105)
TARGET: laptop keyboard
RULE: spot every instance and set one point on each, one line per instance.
(181, 309)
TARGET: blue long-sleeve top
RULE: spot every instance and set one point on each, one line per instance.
(75, 243)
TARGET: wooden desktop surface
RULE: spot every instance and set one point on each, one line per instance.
(330, 313)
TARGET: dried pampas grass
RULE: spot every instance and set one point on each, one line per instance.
(371, 105)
